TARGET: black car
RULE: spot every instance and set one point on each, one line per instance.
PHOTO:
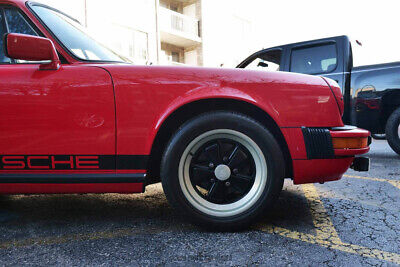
(371, 93)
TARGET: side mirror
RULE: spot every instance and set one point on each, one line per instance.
(262, 64)
(32, 48)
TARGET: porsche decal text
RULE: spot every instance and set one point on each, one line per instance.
(49, 162)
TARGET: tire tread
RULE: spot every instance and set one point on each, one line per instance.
(238, 222)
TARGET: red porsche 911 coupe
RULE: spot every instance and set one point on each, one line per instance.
(75, 117)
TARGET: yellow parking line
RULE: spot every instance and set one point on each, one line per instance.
(322, 222)
(326, 234)
(271, 229)
(395, 183)
(366, 178)
(333, 244)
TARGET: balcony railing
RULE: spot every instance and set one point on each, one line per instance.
(174, 21)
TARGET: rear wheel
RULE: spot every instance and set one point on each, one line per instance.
(393, 131)
(222, 169)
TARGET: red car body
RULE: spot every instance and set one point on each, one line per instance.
(97, 127)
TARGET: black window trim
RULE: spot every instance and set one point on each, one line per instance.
(7, 30)
(4, 21)
(5, 26)
(316, 44)
(29, 5)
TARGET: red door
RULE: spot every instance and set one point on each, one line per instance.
(57, 130)
(65, 112)
(57, 127)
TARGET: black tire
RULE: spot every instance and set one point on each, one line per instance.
(379, 136)
(221, 122)
(392, 131)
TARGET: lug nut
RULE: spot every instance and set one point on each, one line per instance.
(227, 183)
(211, 165)
(225, 159)
(235, 171)
(212, 180)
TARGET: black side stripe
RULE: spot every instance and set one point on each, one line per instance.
(131, 162)
(72, 178)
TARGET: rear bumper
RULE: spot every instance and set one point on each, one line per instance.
(320, 170)
(350, 132)
(314, 157)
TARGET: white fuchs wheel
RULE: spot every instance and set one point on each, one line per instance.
(222, 172)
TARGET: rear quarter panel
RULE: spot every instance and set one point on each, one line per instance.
(147, 95)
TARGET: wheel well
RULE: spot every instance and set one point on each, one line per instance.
(188, 111)
(390, 102)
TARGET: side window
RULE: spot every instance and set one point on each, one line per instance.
(269, 61)
(262, 64)
(3, 30)
(314, 60)
(17, 23)
(12, 21)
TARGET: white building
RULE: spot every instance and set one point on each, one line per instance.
(192, 32)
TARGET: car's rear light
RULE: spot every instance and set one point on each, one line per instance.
(349, 142)
(337, 92)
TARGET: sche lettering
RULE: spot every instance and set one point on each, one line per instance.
(52, 162)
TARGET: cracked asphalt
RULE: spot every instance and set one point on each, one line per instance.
(351, 222)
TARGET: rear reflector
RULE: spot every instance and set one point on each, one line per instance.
(349, 142)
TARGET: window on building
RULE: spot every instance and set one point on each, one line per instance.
(140, 41)
(174, 7)
(171, 54)
(175, 56)
(314, 60)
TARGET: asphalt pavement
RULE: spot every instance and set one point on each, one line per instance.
(351, 222)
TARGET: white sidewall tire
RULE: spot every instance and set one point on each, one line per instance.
(262, 146)
(242, 204)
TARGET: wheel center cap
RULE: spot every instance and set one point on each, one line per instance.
(222, 172)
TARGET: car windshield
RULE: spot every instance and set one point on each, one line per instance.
(74, 36)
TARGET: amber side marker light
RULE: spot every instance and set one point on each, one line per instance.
(349, 142)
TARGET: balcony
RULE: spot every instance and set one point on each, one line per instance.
(178, 29)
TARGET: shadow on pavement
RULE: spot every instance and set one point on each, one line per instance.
(97, 211)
